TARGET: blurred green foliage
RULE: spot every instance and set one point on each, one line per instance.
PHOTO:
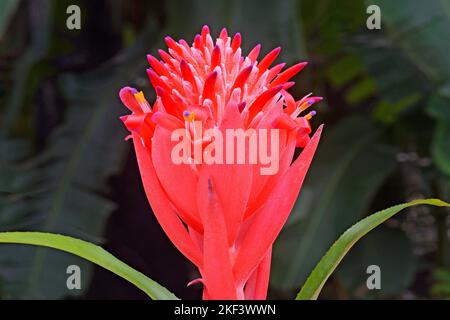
(387, 134)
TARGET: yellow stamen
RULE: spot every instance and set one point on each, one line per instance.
(310, 115)
(140, 97)
(189, 116)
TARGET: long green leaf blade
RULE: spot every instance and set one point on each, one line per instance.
(316, 280)
(93, 253)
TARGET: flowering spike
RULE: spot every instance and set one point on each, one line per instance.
(218, 208)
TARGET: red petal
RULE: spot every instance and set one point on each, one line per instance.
(268, 59)
(269, 220)
(274, 71)
(223, 34)
(288, 74)
(290, 103)
(172, 44)
(186, 72)
(157, 65)
(253, 55)
(263, 185)
(242, 77)
(127, 96)
(155, 80)
(167, 121)
(215, 57)
(217, 272)
(178, 180)
(166, 57)
(162, 208)
(260, 101)
(209, 86)
(258, 283)
(235, 175)
(205, 32)
(236, 43)
(140, 124)
(198, 42)
(167, 101)
(285, 122)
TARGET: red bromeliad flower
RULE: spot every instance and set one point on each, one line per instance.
(222, 217)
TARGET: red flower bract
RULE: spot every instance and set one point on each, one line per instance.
(222, 217)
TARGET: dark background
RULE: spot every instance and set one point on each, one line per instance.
(65, 168)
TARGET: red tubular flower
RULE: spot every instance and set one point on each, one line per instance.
(224, 217)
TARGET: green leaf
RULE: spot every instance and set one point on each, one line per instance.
(419, 28)
(391, 250)
(438, 107)
(38, 48)
(441, 286)
(315, 282)
(93, 253)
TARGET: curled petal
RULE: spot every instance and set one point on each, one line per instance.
(127, 96)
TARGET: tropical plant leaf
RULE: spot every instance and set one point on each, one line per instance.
(316, 280)
(40, 26)
(388, 248)
(61, 189)
(441, 287)
(94, 254)
(416, 29)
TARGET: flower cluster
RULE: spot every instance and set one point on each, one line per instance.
(222, 217)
